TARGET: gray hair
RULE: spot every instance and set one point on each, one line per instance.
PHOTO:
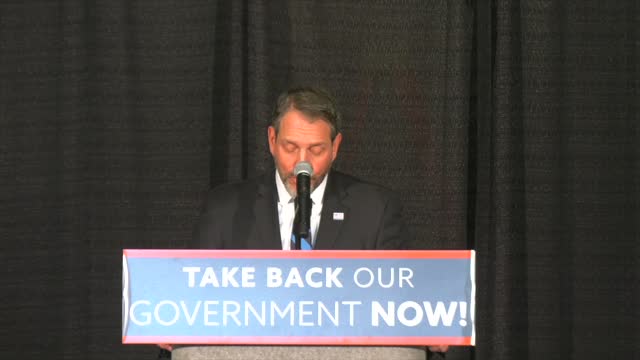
(313, 102)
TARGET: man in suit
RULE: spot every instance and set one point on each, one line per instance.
(346, 214)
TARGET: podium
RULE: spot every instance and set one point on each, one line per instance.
(299, 352)
(243, 304)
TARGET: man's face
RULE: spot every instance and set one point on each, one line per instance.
(299, 139)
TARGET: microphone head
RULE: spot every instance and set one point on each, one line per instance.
(303, 167)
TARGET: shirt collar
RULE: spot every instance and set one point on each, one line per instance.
(316, 195)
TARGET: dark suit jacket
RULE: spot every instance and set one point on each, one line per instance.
(244, 215)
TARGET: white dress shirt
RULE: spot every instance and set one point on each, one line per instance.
(286, 211)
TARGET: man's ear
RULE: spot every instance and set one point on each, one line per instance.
(336, 146)
(271, 136)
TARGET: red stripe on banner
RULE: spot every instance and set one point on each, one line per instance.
(315, 254)
(299, 340)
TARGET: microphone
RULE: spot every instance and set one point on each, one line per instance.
(302, 220)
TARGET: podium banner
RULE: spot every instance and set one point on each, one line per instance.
(298, 297)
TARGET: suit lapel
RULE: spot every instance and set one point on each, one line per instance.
(333, 207)
(267, 229)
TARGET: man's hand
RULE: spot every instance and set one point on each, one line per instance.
(167, 347)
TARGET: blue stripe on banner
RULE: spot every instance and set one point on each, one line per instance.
(309, 297)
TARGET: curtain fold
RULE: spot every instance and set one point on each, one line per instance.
(500, 235)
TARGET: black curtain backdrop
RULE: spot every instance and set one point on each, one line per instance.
(508, 127)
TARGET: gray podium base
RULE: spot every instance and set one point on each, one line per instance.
(298, 353)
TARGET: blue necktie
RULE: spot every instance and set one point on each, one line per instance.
(304, 244)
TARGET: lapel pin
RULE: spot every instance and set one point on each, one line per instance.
(338, 216)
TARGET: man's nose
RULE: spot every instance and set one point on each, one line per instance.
(303, 155)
